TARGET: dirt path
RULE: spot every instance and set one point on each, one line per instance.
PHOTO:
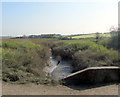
(33, 89)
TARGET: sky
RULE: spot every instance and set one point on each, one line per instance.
(34, 18)
(119, 13)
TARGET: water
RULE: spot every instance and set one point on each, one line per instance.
(61, 70)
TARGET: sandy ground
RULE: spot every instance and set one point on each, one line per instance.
(33, 89)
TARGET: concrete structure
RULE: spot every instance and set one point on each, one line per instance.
(94, 75)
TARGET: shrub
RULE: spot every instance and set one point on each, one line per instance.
(86, 53)
(114, 40)
(25, 56)
(104, 42)
(95, 56)
(66, 49)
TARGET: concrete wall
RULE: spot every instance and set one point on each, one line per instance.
(93, 76)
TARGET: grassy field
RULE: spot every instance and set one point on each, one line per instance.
(90, 36)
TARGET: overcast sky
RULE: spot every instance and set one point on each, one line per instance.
(27, 18)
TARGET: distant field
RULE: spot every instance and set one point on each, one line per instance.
(90, 36)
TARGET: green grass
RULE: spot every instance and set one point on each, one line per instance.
(15, 44)
(85, 53)
(84, 36)
(23, 59)
(91, 36)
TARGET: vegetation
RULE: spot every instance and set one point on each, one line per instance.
(63, 37)
(89, 36)
(86, 53)
(114, 41)
(23, 61)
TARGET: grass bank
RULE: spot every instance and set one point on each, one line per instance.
(23, 61)
(86, 53)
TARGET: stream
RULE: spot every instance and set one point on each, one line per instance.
(59, 71)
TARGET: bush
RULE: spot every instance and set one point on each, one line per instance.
(95, 56)
(86, 53)
(23, 56)
(66, 49)
(114, 40)
(104, 42)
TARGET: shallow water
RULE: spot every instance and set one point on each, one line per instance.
(61, 70)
